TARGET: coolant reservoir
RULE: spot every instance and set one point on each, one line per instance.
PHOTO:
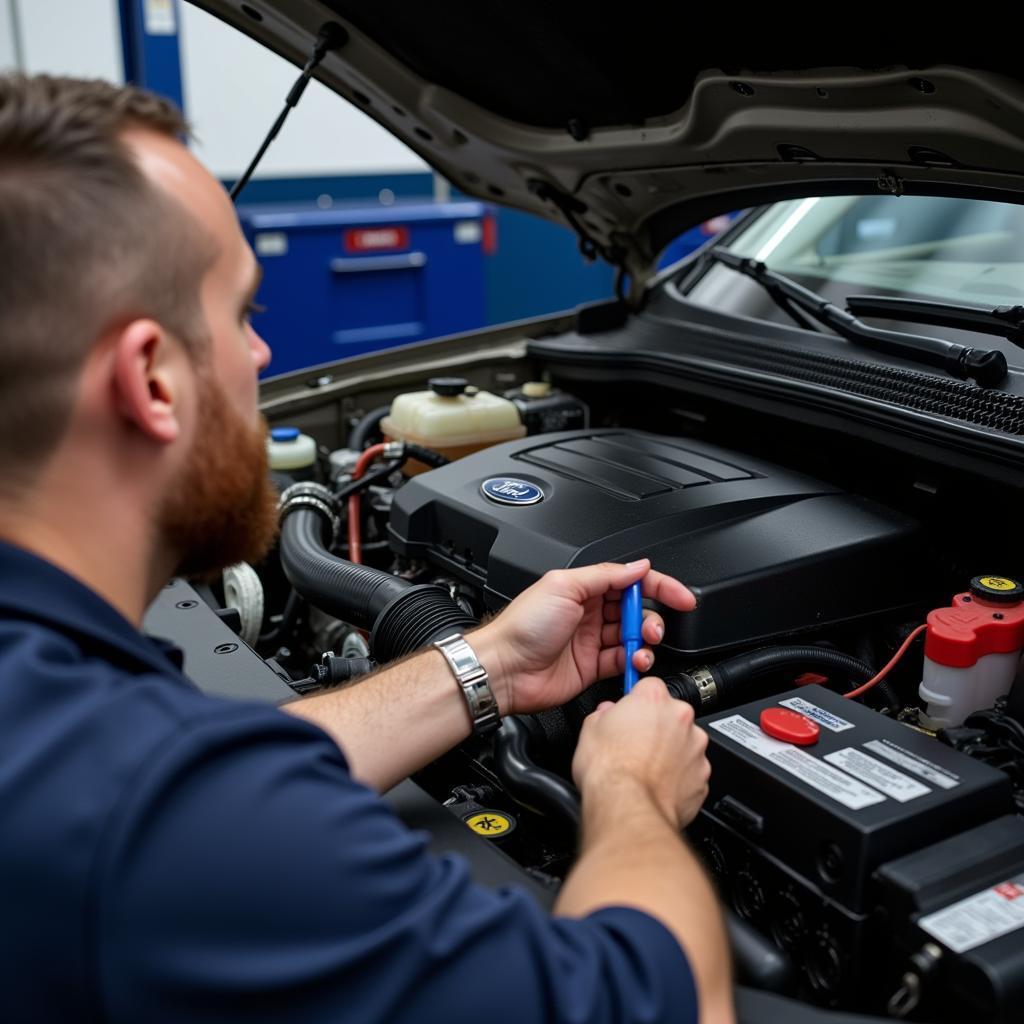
(972, 650)
(451, 418)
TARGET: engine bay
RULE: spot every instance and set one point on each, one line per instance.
(869, 863)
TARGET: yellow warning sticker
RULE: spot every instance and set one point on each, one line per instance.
(489, 823)
(998, 583)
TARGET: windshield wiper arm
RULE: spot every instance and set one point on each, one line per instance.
(1003, 321)
(986, 366)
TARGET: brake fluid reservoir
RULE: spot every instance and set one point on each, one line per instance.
(452, 418)
(288, 449)
(972, 649)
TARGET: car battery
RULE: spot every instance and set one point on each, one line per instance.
(955, 911)
(795, 827)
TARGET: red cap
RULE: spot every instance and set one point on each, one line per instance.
(789, 726)
(970, 629)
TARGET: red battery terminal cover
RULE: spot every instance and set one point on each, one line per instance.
(988, 619)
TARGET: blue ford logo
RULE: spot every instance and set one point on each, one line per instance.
(510, 491)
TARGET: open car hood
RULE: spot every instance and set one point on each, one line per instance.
(633, 127)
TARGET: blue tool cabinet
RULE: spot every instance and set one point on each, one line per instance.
(353, 279)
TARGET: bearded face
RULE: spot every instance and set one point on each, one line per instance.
(222, 509)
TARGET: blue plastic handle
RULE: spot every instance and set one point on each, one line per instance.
(632, 622)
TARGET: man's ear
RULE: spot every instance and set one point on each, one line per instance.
(149, 379)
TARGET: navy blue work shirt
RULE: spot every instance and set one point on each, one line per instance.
(168, 856)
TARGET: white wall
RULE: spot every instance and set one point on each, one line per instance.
(234, 89)
(68, 37)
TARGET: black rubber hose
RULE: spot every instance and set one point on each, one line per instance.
(750, 667)
(381, 472)
(416, 617)
(353, 593)
(529, 785)
(403, 617)
(435, 460)
(758, 961)
(682, 687)
(747, 668)
(734, 676)
(291, 609)
(367, 428)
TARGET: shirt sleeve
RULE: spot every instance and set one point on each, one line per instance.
(247, 877)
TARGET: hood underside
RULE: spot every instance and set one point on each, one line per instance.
(632, 131)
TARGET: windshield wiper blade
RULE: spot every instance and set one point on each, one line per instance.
(986, 366)
(1003, 321)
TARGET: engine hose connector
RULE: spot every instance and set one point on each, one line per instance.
(312, 496)
(708, 687)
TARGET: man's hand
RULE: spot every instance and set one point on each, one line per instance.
(563, 633)
(646, 741)
(641, 767)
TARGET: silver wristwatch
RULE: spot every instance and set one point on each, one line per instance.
(472, 677)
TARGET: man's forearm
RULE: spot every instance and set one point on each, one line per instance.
(632, 856)
(402, 717)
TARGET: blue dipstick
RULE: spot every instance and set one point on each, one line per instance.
(632, 621)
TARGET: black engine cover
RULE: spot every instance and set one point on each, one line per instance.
(767, 551)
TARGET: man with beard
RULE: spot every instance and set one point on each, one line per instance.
(167, 856)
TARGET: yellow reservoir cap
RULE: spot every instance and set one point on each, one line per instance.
(997, 589)
(490, 824)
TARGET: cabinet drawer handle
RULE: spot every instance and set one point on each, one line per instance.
(365, 264)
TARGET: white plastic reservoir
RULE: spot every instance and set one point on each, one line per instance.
(452, 418)
(288, 449)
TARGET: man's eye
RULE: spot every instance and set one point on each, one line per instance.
(253, 308)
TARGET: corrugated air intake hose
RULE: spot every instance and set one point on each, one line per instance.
(401, 617)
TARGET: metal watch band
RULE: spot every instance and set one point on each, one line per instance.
(472, 677)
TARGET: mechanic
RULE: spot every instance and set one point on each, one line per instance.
(168, 856)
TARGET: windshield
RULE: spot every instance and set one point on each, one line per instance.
(960, 251)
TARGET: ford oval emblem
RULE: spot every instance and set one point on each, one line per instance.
(508, 490)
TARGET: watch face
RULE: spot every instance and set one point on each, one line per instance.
(506, 490)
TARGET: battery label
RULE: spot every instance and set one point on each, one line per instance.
(923, 769)
(880, 775)
(979, 918)
(820, 715)
(822, 777)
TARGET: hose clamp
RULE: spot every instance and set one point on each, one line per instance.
(312, 496)
(705, 683)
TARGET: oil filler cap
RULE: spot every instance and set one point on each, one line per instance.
(997, 589)
(789, 726)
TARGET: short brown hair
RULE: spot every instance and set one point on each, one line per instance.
(85, 240)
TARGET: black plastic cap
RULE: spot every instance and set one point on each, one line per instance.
(987, 366)
(449, 387)
(997, 589)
